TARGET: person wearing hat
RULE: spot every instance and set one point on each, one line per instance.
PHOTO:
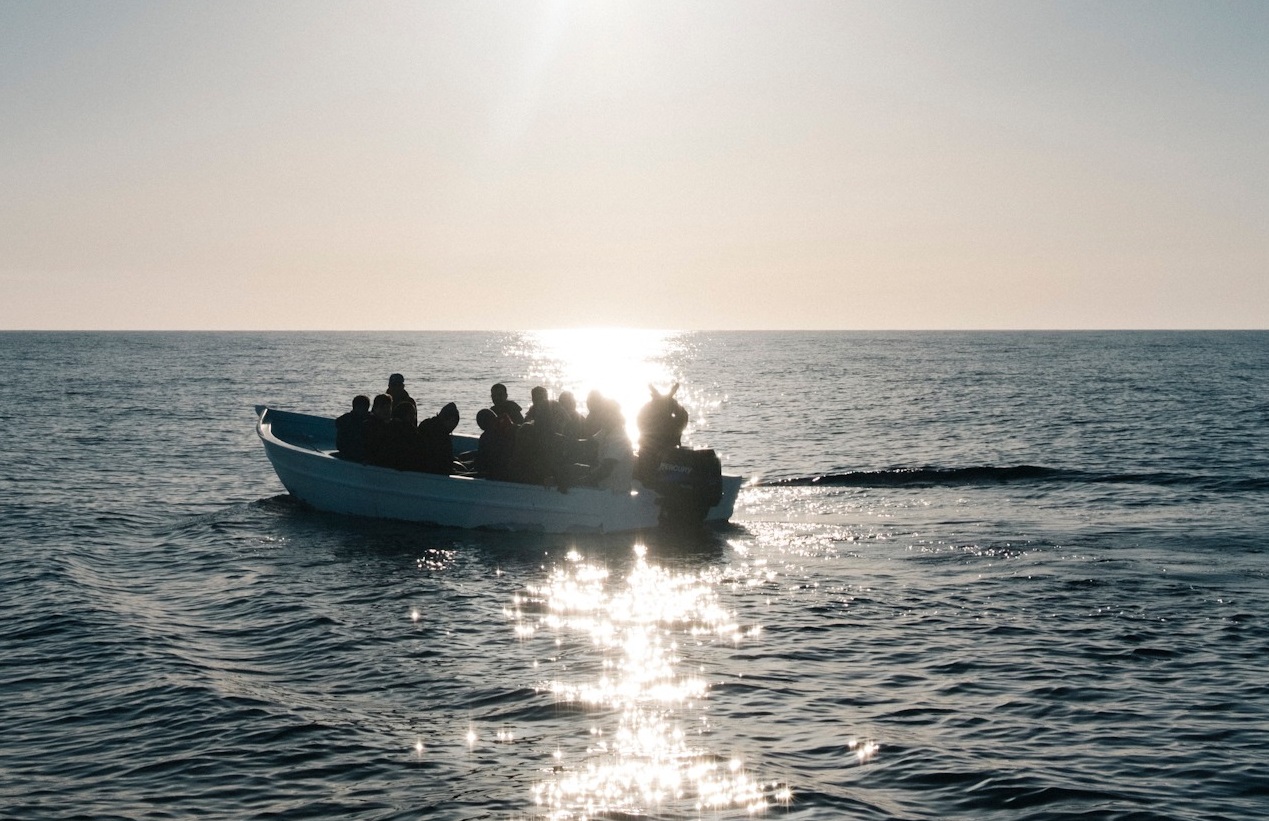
(396, 389)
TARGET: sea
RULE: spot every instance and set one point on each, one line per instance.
(1006, 575)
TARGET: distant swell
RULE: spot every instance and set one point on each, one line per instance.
(990, 475)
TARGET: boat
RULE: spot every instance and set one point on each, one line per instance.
(301, 448)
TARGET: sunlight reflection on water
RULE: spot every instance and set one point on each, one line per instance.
(647, 714)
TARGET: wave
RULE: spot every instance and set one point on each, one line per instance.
(996, 475)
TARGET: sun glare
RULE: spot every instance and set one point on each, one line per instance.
(620, 363)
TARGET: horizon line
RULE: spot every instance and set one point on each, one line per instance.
(600, 328)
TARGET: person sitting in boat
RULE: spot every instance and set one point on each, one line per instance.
(536, 457)
(589, 426)
(531, 454)
(614, 462)
(503, 405)
(591, 422)
(436, 443)
(375, 430)
(396, 389)
(661, 423)
(350, 430)
(381, 408)
(568, 424)
(567, 420)
(497, 443)
(542, 406)
(398, 446)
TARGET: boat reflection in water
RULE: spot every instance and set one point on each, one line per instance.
(616, 655)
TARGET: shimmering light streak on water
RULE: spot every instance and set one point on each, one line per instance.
(636, 623)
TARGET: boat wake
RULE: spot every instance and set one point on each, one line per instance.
(1014, 474)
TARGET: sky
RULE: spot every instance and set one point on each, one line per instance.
(732, 164)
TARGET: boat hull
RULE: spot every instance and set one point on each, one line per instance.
(301, 448)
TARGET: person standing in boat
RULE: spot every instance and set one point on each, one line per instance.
(661, 423)
(350, 430)
(396, 389)
(503, 405)
(436, 443)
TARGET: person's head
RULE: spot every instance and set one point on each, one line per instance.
(540, 396)
(405, 411)
(486, 419)
(498, 392)
(382, 407)
(567, 401)
(361, 402)
(396, 381)
(449, 416)
(594, 400)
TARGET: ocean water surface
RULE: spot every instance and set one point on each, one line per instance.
(974, 575)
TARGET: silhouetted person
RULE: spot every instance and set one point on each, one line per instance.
(436, 442)
(588, 427)
(497, 444)
(568, 422)
(381, 409)
(396, 389)
(503, 405)
(375, 435)
(594, 413)
(402, 447)
(614, 462)
(350, 430)
(541, 408)
(536, 453)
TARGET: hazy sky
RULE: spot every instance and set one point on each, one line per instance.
(506, 165)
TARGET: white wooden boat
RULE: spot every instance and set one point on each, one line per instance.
(302, 447)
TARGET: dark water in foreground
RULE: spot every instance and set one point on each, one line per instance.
(1001, 576)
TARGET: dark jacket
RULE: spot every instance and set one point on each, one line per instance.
(510, 408)
(435, 443)
(350, 435)
(402, 447)
(497, 444)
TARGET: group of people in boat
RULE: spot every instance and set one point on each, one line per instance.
(550, 443)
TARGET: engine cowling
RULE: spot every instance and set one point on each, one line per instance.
(688, 483)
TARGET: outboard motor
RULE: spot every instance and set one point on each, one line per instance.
(688, 483)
